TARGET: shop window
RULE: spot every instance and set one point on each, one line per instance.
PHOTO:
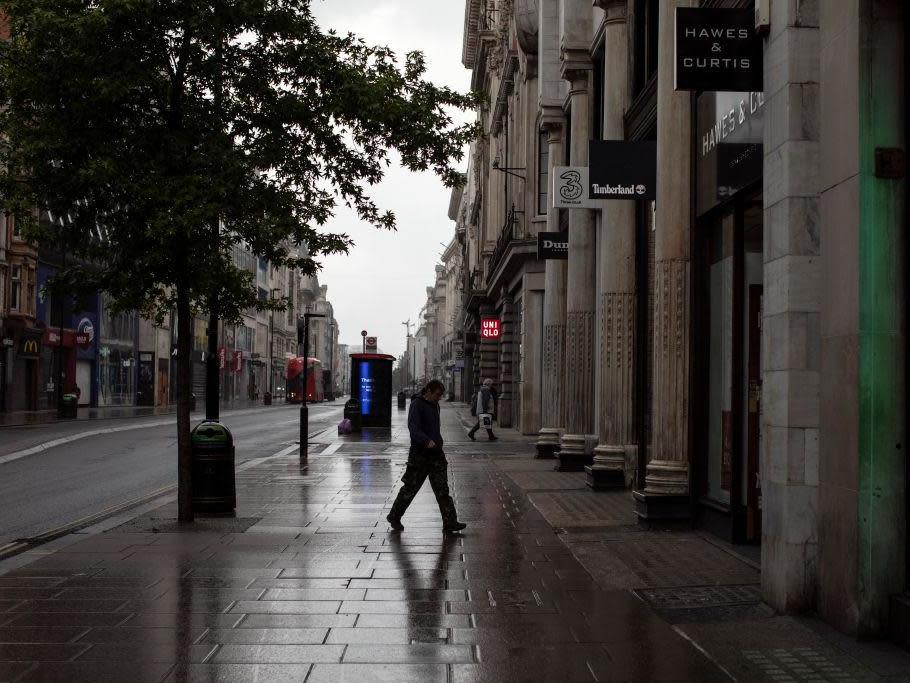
(543, 173)
(644, 44)
(15, 300)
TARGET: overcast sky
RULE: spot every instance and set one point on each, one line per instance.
(383, 281)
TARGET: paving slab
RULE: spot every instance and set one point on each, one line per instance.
(550, 581)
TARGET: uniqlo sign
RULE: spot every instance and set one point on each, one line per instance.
(489, 328)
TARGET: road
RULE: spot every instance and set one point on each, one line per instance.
(72, 481)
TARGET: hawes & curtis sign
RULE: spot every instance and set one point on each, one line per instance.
(717, 50)
(622, 169)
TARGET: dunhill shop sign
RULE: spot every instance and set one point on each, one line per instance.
(717, 50)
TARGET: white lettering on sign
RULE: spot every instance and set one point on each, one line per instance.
(551, 244)
(718, 33)
(731, 120)
(742, 63)
(622, 190)
(489, 328)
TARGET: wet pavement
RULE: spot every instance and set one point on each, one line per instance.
(307, 582)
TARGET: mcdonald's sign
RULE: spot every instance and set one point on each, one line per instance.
(30, 346)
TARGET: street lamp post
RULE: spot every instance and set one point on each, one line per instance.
(331, 329)
(272, 343)
(303, 337)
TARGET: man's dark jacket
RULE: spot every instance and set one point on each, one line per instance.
(423, 424)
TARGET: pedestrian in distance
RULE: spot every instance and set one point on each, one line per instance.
(426, 459)
(484, 406)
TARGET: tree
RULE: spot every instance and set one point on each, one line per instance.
(167, 131)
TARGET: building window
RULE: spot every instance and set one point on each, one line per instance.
(15, 300)
(17, 231)
(644, 47)
(543, 173)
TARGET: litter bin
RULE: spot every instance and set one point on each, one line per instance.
(352, 412)
(214, 490)
(267, 398)
(69, 406)
(402, 400)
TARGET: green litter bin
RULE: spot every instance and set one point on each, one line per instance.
(69, 407)
(214, 490)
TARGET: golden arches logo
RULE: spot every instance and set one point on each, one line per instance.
(30, 346)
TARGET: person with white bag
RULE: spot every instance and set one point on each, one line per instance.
(484, 406)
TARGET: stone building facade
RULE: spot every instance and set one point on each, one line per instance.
(733, 351)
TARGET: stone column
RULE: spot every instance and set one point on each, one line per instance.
(666, 492)
(791, 309)
(616, 450)
(554, 320)
(506, 388)
(578, 440)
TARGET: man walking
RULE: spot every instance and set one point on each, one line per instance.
(485, 408)
(426, 460)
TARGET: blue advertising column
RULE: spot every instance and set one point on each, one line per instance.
(371, 384)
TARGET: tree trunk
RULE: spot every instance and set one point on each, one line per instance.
(184, 401)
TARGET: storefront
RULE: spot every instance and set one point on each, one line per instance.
(727, 297)
(117, 359)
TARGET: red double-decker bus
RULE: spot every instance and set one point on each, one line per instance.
(294, 375)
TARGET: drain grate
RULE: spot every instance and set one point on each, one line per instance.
(693, 597)
(802, 664)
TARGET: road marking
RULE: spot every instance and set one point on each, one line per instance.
(76, 437)
(15, 547)
(63, 440)
(333, 448)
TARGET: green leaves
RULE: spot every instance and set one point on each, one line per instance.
(149, 121)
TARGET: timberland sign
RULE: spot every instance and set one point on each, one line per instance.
(621, 169)
(717, 50)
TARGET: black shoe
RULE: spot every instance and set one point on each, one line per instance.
(455, 526)
(494, 438)
(395, 523)
(471, 437)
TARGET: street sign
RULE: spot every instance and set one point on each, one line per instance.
(222, 358)
(237, 362)
(570, 185)
(552, 246)
(490, 328)
(371, 345)
(621, 169)
(718, 50)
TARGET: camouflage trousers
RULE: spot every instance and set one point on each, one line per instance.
(421, 467)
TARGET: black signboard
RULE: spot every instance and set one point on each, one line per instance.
(552, 246)
(30, 345)
(620, 169)
(717, 49)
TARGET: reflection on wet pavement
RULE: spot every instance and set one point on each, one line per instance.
(308, 583)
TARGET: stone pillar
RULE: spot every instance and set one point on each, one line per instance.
(616, 450)
(791, 310)
(578, 440)
(666, 492)
(554, 320)
(506, 343)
